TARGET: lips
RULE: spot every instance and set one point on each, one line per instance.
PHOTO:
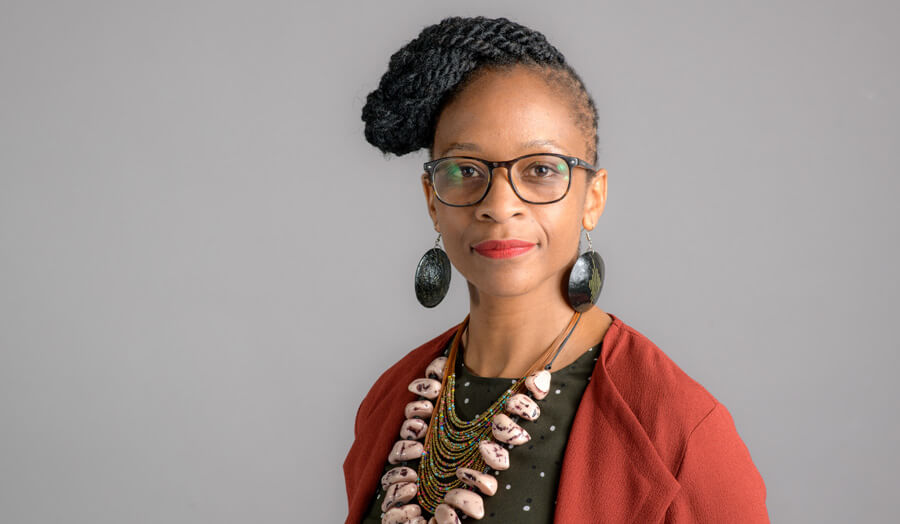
(503, 248)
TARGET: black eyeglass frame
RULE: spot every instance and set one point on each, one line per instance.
(571, 161)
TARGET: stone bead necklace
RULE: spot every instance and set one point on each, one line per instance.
(456, 454)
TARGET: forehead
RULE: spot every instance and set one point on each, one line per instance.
(503, 114)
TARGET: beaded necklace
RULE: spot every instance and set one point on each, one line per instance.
(456, 453)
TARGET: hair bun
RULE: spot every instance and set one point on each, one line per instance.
(401, 114)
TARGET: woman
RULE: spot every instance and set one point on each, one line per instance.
(538, 406)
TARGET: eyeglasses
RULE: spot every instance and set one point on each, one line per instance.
(539, 178)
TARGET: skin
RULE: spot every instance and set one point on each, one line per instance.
(517, 306)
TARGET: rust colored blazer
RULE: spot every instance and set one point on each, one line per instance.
(648, 443)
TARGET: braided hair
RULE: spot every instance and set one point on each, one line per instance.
(429, 71)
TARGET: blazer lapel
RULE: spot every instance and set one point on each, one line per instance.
(611, 471)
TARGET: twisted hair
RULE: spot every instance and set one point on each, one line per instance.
(428, 72)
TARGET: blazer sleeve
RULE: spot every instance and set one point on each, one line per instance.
(719, 482)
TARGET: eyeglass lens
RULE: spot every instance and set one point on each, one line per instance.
(538, 179)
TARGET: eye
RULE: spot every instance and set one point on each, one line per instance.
(462, 170)
(468, 171)
(542, 170)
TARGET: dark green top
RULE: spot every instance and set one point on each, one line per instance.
(526, 492)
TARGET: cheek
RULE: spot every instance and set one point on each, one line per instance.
(452, 226)
(565, 246)
(563, 230)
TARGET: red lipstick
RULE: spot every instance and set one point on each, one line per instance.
(503, 248)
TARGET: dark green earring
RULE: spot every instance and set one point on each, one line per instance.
(586, 279)
(433, 276)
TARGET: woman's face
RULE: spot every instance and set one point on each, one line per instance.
(500, 116)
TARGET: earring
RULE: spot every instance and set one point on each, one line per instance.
(433, 276)
(586, 279)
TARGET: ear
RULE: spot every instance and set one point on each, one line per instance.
(595, 200)
(429, 200)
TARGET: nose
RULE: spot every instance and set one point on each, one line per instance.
(501, 202)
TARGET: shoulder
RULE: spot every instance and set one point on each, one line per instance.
(691, 432)
(645, 373)
(668, 403)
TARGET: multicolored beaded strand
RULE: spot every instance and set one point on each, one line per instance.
(457, 454)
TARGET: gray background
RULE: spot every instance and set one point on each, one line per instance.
(204, 266)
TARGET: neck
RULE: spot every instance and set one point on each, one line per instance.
(506, 335)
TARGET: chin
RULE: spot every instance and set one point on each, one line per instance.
(503, 287)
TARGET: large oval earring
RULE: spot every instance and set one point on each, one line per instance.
(433, 276)
(586, 279)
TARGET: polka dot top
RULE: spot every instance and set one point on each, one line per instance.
(526, 492)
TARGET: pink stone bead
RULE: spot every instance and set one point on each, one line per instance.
(523, 406)
(405, 450)
(394, 516)
(538, 383)
(494, 455)
(435, 370)
(398, 495)
(412, 510)
(444, 514)
(466, 501)
(402, 515)
(398, 474)
(485, 483)
(413, 429)
(426, 387)
(419, 408)
(505, 430)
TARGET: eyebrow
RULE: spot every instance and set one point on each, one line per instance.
(469, 146)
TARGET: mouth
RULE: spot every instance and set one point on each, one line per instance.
(503, 248)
